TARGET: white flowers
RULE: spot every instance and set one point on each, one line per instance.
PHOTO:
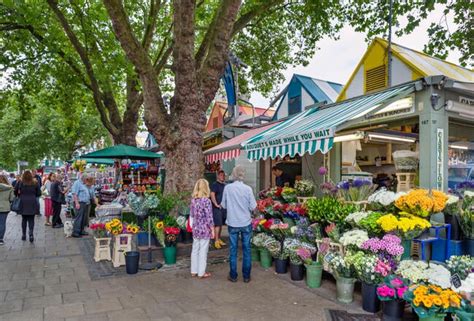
(356, 217)
(452, 199)
(467, 286)
(354, 237)
(439, 275)
(413, 270)
(383, 197)
(468, 193)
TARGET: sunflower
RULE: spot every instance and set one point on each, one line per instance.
(129, 229)
(115, 232)
(134, 230)
(427, 302)
(159, 225)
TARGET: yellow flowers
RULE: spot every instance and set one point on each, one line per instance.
(132, 228)
(433, 296)
(159, 225)
(114, 227)
(406, 226)
(421, 202)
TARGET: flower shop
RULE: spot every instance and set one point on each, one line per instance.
(355, 235)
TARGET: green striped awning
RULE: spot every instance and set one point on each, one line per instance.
(314, 129)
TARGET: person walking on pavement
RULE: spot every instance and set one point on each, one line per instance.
(48, 204)
(240, 202)
(28, 190)
(218, 213)
(6, 197)
(202, 226)
(57, 199)
(82, 201)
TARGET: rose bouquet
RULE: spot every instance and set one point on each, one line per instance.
(406, 227)
(275, 193)
(99, 230)
(171, 235)
(356, 190)
(430, 300)
(304, 188)
(392, 288)
(332, 230)
(421, 202)
(280, 230)
(353, 238)
(414, 271)
(460, 265)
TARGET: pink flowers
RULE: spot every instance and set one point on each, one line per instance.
(391, 244)
(401, 291)
(382, 268)
(386, 291)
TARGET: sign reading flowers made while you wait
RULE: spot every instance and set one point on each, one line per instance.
(297, 138)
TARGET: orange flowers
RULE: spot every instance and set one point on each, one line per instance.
(421, 202)
(433, 297)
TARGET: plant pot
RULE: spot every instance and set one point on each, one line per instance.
(435, 317)
(255, 252)
(281, 266)
(265, 258)
(393, 310)
(406, 249)
(132, 260)
(469, 246)
(169, 253)
(456, 232)
(370, 300)
(297, 272)
(465, 316)
(314, 273)
(345, 289)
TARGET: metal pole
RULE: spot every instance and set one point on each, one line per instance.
(389, 56)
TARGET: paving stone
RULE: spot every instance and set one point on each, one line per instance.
(194, 316)
(114, 292)
(97, 284)
(90, 317)
(24, 293)
(28, 275)
(42, 282)
(12, 285)
(129, 314)
(196, 303)
(42, 301)
(103, 305)
(163, 310)
(86, 296)
(3, 294)
(11, 306)
(133, 301)
(74, 278)
(60, 288)
(29, 315)
(59, 272)
(64, 310)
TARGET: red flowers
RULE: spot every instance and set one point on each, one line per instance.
(97, 226)
(171, 230)
(267, 224)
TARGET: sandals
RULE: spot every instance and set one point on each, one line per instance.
(193, 275)
(205, 276)
(47, 224)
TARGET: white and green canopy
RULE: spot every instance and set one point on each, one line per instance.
(315, 128)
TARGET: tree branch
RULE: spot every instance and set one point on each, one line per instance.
(151, 24)
(244, 19)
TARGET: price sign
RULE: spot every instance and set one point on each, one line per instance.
(456, 280)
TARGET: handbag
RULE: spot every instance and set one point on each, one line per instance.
(16, 204)
(189, 224)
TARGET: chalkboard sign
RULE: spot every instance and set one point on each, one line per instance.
(456, 280)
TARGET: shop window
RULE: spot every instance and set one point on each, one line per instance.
(375, 78)
(215, 122)
(294, 105)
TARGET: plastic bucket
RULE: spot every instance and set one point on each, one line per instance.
(297, 272)
(265, 258)
(281, 266)
(370, 300)
(169, 252)
(345, 289)
(132, 260)
(314, 273)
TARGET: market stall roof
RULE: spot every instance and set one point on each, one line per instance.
(231, 148)
(104, 161)
(315, 128)
(123, 152)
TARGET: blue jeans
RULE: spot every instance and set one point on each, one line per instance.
(3, 224)
(246, 234)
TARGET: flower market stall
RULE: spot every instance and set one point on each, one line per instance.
(376, 237)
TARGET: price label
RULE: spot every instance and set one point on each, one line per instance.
(456, 280)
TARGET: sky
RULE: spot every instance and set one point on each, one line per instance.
(336, 59)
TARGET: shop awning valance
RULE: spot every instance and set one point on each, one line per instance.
(315, 128)
(230, 149)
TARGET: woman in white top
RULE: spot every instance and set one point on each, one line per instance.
(48, 204)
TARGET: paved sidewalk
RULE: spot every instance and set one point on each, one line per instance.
(48, 280)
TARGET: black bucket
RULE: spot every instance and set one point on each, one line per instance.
(393, 310)
(370, 300)
(297, 272)
(456, 233)
(281, 266)
(132, 260)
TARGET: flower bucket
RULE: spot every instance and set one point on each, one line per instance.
(142, 239)
(265, 258)
(435, 317)
(370, 300)
(297, 272)
(255, 254)
(393, 310)
(464, 315)
(345, 289)
(456, 233)
(169, 252)
(469, 246)
(314, 273)
(132, 260)
(406, 249)
(281, 266)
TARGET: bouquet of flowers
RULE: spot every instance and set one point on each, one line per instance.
(182, 221)
(329, 189)
(354, 218)
(260, 239)
(460, 265)
(467, 214)
(98, 229)
(275, 193)
(114, 227)
(79, 165)
(382, 200)
(305, 255)
(414, 271)
(429, 300)
(171, 235)
(370, 224)
(370, 268)
(392, 288)
(342, 266)
(332, 230)
(388, 248)
(452, 205)
(304, 188)
(131, 228)
(438, 275)
(289, 194)
(158, 229)
(328, 209)
(353, 238)
(293, 246)
(406, 227)
(421, 202)
(294, 210)
(280, 230)
(356, 190)
(276, 249)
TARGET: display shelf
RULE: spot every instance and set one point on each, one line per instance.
(368, 163)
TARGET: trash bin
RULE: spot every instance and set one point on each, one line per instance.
(132, 260)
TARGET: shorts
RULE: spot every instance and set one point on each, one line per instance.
(219, 216)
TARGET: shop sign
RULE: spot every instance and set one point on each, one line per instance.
(211, 142)
(440, 159)
(401, 107)
(293, 139)
(22, 163)
(467, 101)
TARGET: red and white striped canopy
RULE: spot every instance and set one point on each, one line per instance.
(222, 156)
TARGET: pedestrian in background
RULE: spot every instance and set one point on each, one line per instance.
(82, 201)
(6, 197)
(90, 183)
(203, 228)
(239, 201)
(57, 200)
(48, 204)
(218, 213)
(28, 190)
(17, 179)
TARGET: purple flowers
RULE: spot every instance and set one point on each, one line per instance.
(390, 244)
(358, 183)
(322, 171)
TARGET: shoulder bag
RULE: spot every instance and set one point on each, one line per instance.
(16, 203)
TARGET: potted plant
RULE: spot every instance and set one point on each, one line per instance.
(304, 190)
(466, 216)
(460, 265)
(356, 191)
(296, 264)
(431, 302)
(451, 216)
(314, 269)
(102, 242)
(280, 231)
(344, 272)
(391, 292)
(171, 237)
(258, 241)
